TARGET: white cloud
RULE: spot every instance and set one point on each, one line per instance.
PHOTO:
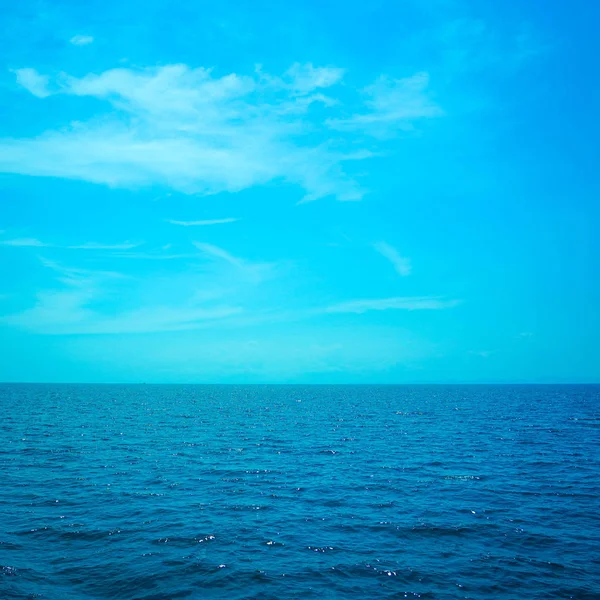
(153, 255)
(160, 318)
(199, 223)
(84, 301)
(98, 246)
(81, 40)
(306, 78)
(67, 312)
(78, 277)
(69, 308)
(401, 264)
(24, 243)
(407, 303)
(62, 309)
(253, 271)
(33, 82)
(219, 253)
(35, 243)
(197, 132)
(395, 104)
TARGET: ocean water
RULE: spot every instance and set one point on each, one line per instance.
(151, 492)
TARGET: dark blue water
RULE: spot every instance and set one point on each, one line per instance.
(265, 492)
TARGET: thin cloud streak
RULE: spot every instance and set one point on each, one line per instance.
(25, 243)
(394, 105)
(67, 310)
(401, 264)
(254, 272)
(399, 303)
(152, 256)
(99, 246)
(204, 222)
(35, 243)
(219, 253)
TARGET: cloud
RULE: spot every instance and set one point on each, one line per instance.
(78, 277)
(219, 253)
(33, 82)
(306, 78)
(61, 309)
(401, 264)
(35, 243)
(200, 133)
(153, 255)
(256, 272)
(481, 353)
(98, 246)
(160, 318)
(24, 243)
(69, 308)
(205, 222)
(67, 313)
(85, 301)
(406, 303)
(395, 104)
(81, 40)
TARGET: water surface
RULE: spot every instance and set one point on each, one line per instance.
(149, 492)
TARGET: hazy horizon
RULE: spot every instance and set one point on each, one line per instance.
(305, 384)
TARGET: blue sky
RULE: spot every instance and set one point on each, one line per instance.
(299, 192)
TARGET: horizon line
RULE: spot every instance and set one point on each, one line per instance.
(473, 383)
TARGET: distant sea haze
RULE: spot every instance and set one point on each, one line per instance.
(146, 492)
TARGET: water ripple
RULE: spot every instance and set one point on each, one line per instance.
(237, 492)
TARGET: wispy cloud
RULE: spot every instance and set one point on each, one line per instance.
(35, 243)
(253, 271)
(219, 253)
(204, 222)
(304, 79)
(99, 246)
(402, 264)
(61, 310)
(79, 277)
(401, 303)
(85, 301)
(153, 255)
(69, 308)
(24, 243)
(67, 312)
(81, 40)
(394, 104)
(160, 318)
(200, 133)
(33, 82)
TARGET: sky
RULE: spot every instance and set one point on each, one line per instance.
(398, 191)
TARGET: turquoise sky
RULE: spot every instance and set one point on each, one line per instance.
(236, 191)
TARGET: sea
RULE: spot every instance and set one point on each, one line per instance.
(270, 492)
